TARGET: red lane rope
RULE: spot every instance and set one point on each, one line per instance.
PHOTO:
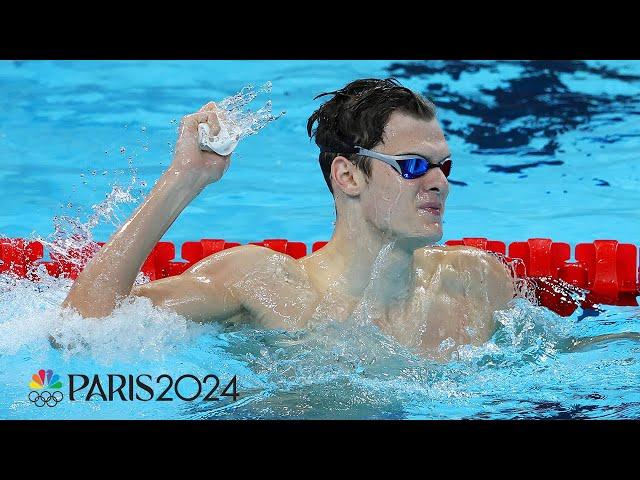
(606, 270)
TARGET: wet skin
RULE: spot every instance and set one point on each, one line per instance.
(380, 266)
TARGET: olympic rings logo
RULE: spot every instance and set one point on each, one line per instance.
(45, 398)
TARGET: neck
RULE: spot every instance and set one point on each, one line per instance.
(363, 261)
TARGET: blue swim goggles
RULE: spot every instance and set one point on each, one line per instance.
(409, 166)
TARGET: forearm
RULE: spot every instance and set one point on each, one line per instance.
(110, 275)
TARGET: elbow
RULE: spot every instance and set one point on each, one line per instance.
(87, 307)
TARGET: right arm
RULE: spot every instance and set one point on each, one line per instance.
(109, 276)
(212, 289)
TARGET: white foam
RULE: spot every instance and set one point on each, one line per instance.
(30, 317)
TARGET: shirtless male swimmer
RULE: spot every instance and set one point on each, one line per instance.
(382, 255)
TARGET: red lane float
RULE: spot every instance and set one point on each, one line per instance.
(16, 255)
(605, 269)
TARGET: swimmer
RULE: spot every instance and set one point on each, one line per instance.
(385, 160)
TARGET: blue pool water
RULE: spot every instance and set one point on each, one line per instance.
(541, 149)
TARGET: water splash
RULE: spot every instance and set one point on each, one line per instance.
(240, 120)
(366, 310)
(72, 239)
(31, 321)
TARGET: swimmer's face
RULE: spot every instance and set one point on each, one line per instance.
(408, 209)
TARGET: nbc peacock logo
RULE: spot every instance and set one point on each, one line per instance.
(41, 383)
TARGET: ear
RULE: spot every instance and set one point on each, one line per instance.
(346, 176)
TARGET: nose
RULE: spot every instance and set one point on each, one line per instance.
(434, 180)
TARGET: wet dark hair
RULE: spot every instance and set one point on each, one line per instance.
(357, 115)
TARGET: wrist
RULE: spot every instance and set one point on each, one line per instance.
(187, 179)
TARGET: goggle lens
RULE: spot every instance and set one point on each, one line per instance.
(417, 167)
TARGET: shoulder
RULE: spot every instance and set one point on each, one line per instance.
(247, 259)
(463, 257)
(466, 268)
(271, 286)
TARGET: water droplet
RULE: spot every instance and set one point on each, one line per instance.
(122, 150)
(144, 129)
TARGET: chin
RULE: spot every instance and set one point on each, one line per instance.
(431, 233)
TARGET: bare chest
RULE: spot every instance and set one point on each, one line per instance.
(431, 315)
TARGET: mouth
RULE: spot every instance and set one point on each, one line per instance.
(434, 208)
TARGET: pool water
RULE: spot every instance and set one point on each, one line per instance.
(541, 149)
